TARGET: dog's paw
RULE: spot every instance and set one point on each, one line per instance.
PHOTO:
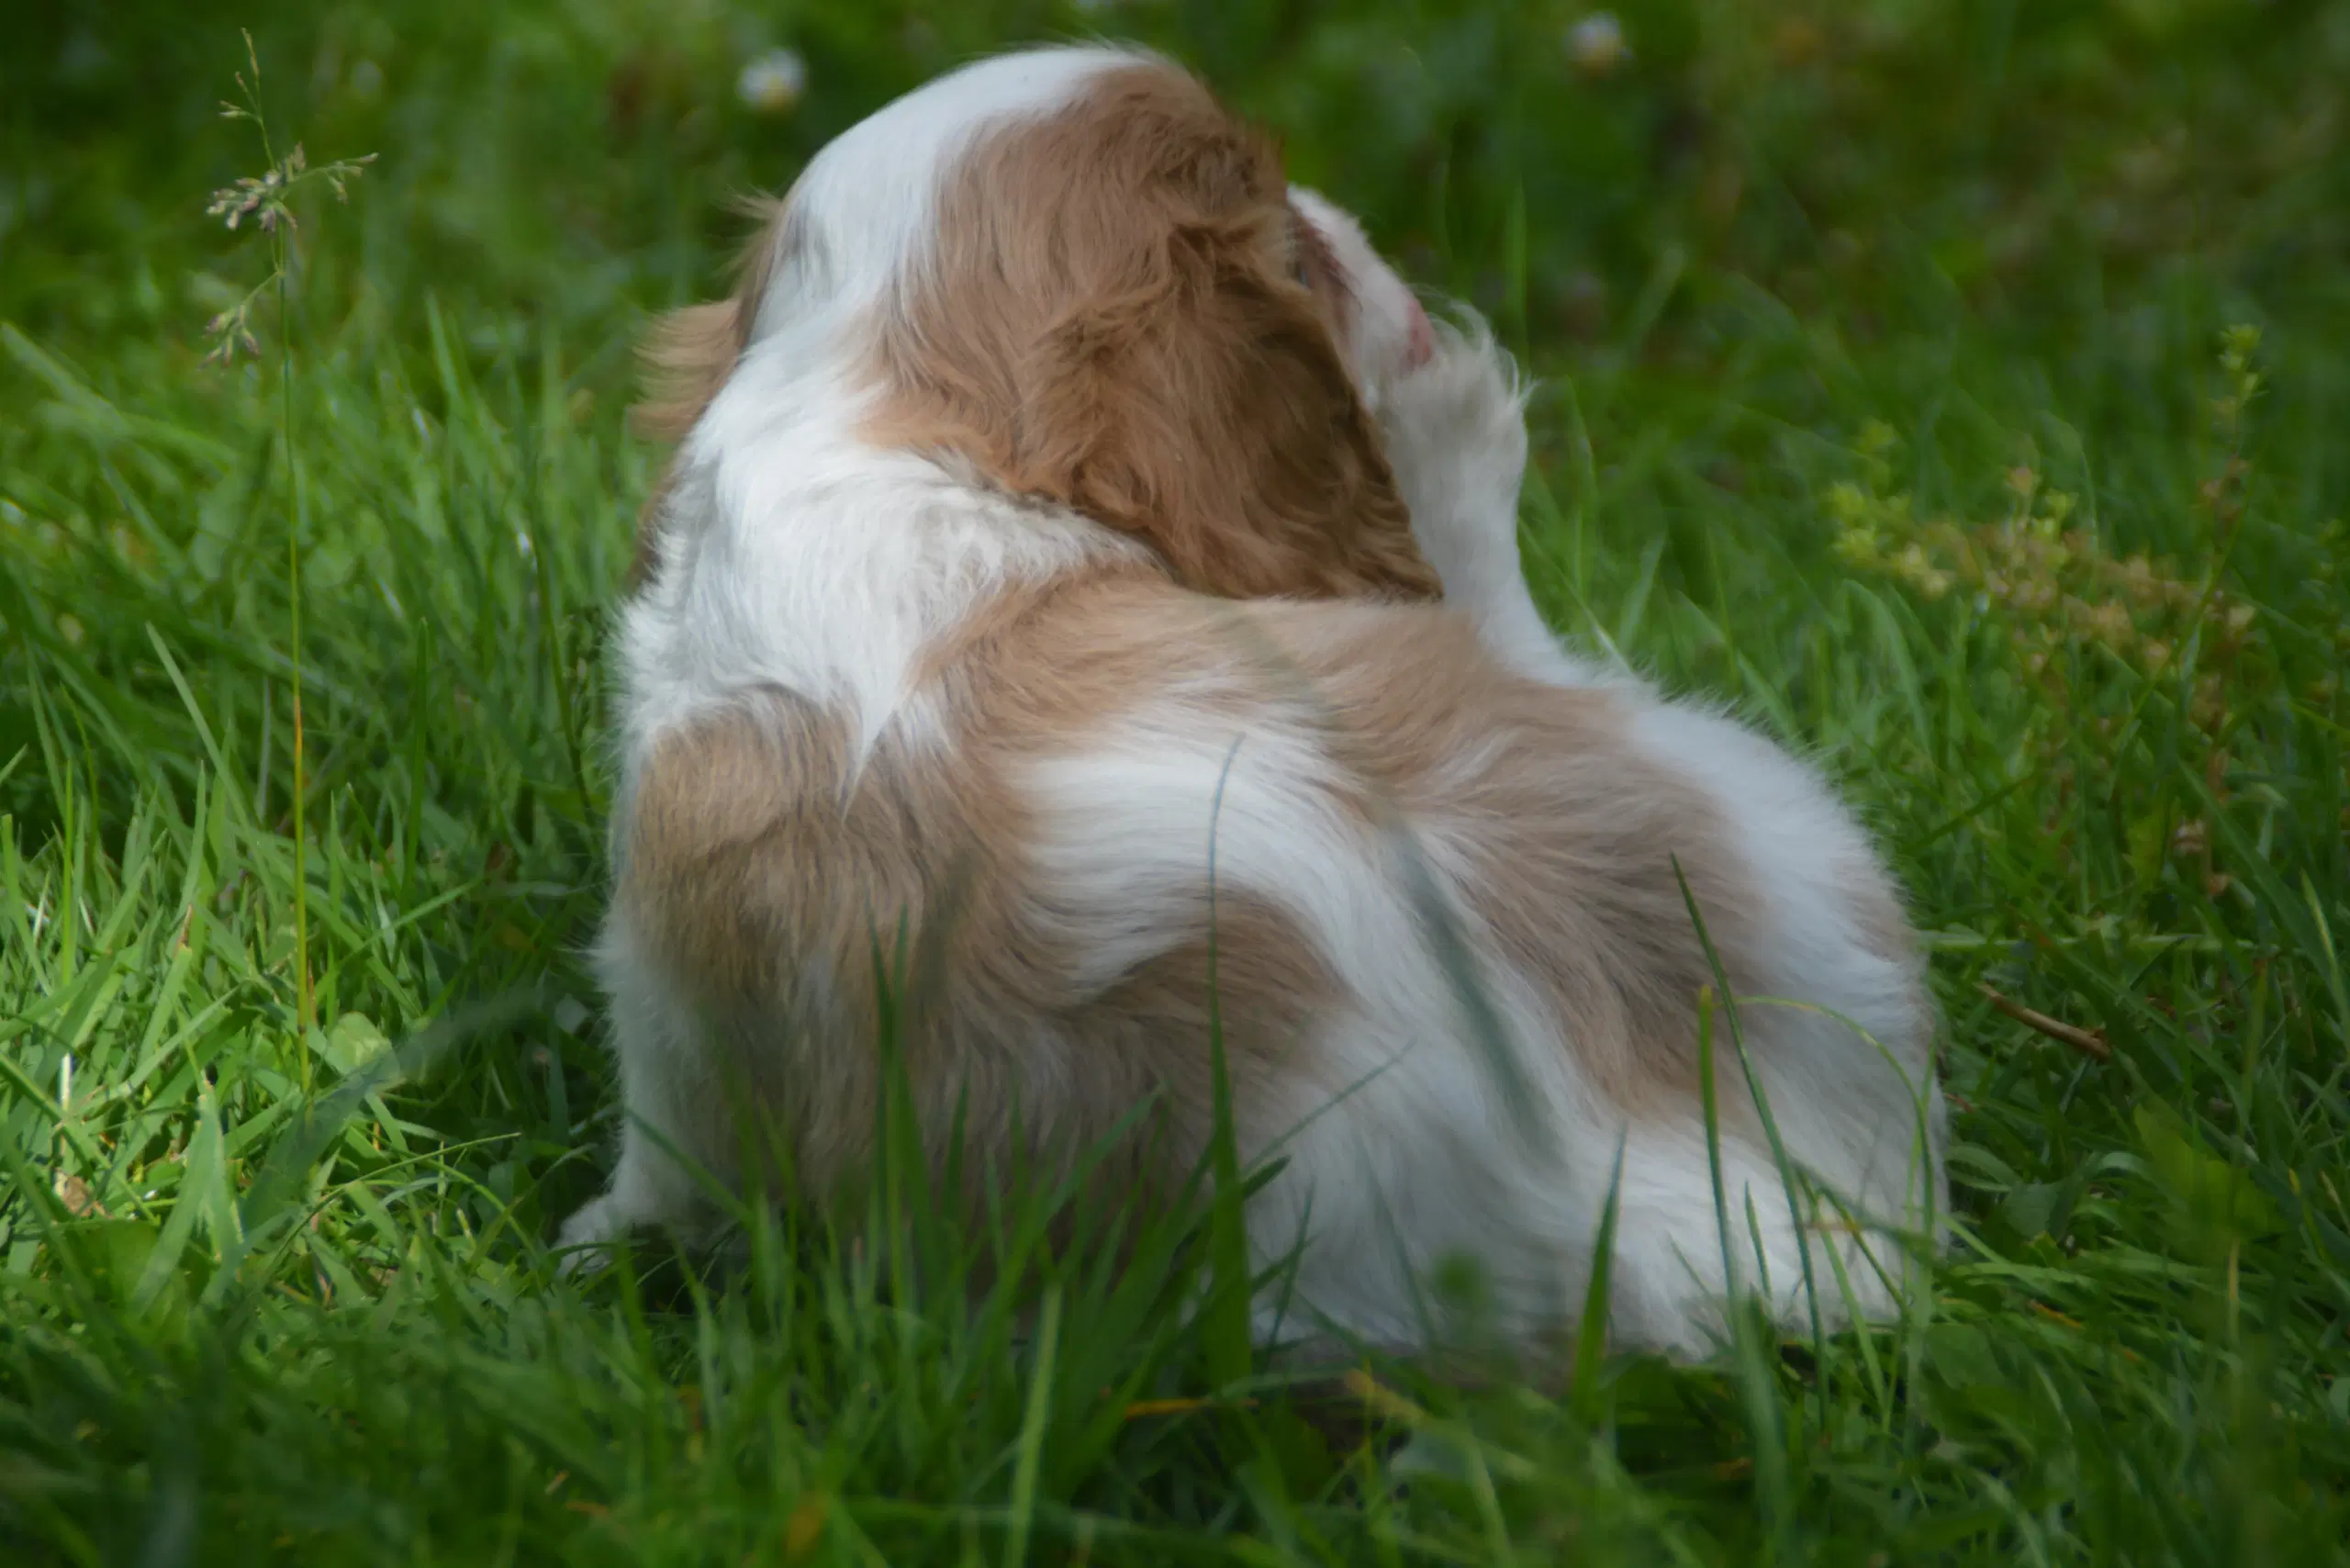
(584, 1241)
(1466, 389)
(1461, 413)
(1455, 433)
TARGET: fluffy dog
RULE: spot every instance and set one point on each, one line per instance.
(1084, 565)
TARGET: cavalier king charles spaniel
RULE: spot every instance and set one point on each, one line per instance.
(1081, 621)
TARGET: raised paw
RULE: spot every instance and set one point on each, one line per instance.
(1455, 433)
(1465, 404)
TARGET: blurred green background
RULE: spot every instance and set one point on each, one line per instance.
(1874, 165)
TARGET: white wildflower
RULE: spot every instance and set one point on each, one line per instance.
(1597, 45)
(772, 83)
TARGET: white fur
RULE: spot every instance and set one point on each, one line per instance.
(1847, 1114)
(797, 556)
(1456, 436)
(777, 568)
(876, 184)
(1390, 337)
(776, 576)
(1402, 1151)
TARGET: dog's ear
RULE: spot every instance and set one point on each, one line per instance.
(1206, 411)
(1110, 317)
(686, 356)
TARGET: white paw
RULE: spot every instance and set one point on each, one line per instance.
(1455, 433)
(1467, 393)
(586, 1238)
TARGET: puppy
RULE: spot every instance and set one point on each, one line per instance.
(1087, 584)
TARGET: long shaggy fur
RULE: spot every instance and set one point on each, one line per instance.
(1083, 559)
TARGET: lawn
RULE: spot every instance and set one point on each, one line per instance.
(1959, 387)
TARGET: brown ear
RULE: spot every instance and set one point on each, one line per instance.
(1107, 321)
(1206, 411)
(686, 357)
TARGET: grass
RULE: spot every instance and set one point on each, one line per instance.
(1878, 338)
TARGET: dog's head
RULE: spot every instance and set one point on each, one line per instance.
(1072, 274)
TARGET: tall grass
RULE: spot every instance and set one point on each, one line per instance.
(1880, 348)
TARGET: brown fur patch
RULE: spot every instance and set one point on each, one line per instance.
(1112, 321)
(1564, 837)
(769, 877)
